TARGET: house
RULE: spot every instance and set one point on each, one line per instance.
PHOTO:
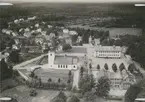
(49, 26)
(31, 18)
(73, 32)
(65, 31)
(40, 39)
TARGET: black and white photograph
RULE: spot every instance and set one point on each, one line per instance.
(72, 50)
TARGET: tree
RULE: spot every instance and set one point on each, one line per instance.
(66, 47)
(81, 71)
(87, 83)
(73, 98)
(131, 68)
(32, 74)
(57, 99)
(59, 80)
(132, 92)
(136, 48)
(122, 67)
(70, 74)
(91, 96)
(106, 66)
(103, 87)
(68, 81)
(40, 82)
(49, 80)
(5, 72)
(90, 66)
(118, 42)
(105, 42)
(98, 67)
(14, 56)
(62, 96)
(114, 67)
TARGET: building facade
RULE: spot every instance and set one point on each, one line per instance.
(108, 51)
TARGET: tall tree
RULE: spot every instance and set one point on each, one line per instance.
(103, 87)
(5, 72)
(131, 93)
(98, 67)
(59, 80)
(70, 74)
(49, 80)
(90, 66)
(114, 67)
(73, 98)
(81, 71)
(106, 66)
(87, 83)
(122, 67)
(131, 68)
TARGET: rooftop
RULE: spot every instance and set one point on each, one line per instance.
(65, 60)
(108, 48)
(76, 49)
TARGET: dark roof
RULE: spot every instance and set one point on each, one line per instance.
(77, 50)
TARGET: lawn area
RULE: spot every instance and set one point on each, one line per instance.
(22, 94)
(54, 74)
(7, 83)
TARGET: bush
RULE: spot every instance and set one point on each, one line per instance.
(33, 93)
(66, 47)
(73, 98)
(51, 85)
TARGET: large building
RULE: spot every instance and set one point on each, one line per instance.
(108, 51)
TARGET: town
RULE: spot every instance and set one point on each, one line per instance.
(53, 62)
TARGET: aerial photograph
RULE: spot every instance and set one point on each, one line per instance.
(72, 51)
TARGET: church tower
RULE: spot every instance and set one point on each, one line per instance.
(51, 56)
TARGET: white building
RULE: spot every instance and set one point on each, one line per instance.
(108, 51)
(73, 32)
(62, 61)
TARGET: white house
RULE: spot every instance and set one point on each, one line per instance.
(65, 31)
(73, 32)
(31, 18)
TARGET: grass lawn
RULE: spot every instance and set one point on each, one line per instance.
(22, 94)
(54, 74)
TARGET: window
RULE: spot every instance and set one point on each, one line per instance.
(74, 66)
(58, 66)
(66, 66)
(63, 66)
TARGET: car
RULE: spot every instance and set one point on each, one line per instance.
(33, 92)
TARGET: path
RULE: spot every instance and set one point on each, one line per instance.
(76, 78)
